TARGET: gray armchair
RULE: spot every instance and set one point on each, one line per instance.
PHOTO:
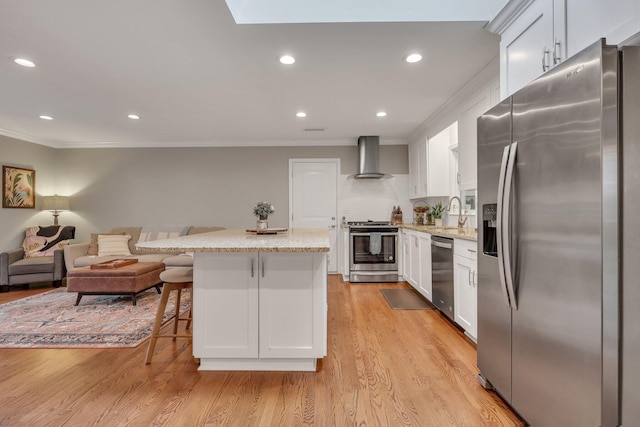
(15, 269)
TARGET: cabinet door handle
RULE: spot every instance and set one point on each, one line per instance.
(473, 251)
(251, 267)
(556, 52)
(469, 280)
(262, 267)
(545, 59)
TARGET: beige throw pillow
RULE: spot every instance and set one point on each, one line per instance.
(113, 245)
(93, 242)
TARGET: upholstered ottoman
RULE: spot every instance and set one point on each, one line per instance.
(127, 280)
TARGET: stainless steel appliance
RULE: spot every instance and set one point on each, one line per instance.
(369, 159)
(550, 183)
(373, 250)
(442, 274)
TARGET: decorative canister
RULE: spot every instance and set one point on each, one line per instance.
(262, 223)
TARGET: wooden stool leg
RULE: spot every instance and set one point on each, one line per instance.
(177, 315)
(190, 310)
(166, 290)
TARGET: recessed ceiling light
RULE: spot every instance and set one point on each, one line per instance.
(381, 113)
(287, 59)
(43, 117)
(24, 62)
(301, 114)
(413, 57)
(133, 116)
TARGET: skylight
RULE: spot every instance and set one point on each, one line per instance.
(296, 11)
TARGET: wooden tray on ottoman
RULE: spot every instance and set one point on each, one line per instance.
(114, 263)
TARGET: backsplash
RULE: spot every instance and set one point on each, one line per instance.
(374, 199)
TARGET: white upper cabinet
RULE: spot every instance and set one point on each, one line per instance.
(529, 47)
(475, 106)
(589, 20)
(440, 162)
(536, 35)
(452, 137)
(418, 168)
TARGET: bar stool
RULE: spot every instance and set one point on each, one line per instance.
(175, 279)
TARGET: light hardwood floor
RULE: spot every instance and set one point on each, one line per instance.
(384, 368)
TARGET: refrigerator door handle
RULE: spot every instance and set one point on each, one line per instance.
(506, 217)
(499, 231)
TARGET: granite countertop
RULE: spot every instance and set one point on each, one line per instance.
(237, 240)
(454, 232)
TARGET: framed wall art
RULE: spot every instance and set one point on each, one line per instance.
(18, 188)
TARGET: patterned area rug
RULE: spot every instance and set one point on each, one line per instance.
(50, 320)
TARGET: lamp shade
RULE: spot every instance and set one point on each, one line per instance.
(55, 203)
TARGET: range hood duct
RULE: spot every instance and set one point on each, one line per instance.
(369, 158)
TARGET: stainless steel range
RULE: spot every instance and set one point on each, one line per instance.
(373, 251)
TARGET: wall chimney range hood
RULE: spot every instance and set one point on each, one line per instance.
(369, 159)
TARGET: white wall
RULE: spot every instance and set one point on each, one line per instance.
(194, 186)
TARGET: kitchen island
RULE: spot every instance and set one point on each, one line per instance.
(259, 301)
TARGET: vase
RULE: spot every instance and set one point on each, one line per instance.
(262, 223)
(438, 222)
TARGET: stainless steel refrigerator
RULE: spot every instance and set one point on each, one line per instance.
(551, 187)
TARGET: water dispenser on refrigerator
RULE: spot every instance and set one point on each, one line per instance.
(489, 242)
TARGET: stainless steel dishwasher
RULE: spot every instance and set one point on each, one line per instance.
(442, 274)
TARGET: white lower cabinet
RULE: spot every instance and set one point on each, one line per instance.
(344, 253)
(406, 255)
(260, 311)
(414, 254)
(465, 286)
(416, 247)
(424, 246)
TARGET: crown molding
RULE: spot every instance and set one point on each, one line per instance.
(505, 17)
(28, 138)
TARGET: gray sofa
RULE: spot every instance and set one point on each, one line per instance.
(77, 255)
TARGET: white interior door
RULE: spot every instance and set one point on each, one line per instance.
(313, 198)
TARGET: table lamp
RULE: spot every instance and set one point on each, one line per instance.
(55, 204)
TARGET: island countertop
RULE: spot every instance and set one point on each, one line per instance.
(237, 240)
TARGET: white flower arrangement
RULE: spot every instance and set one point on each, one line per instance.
(263, 209)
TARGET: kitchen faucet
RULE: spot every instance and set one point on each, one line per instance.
(461, 221)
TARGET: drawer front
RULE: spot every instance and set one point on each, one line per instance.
(466, 248)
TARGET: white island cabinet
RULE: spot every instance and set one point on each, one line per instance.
(260, 302)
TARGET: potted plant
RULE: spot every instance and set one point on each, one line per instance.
(437, 211)
(262, 211)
